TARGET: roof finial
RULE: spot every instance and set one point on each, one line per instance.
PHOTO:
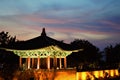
(43, 32)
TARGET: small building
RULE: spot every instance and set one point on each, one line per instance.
(43, 52)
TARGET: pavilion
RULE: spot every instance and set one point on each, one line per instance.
(43, 52)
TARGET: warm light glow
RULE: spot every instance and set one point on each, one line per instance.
(77, 76)
(28, 62)
(48, 62)
(116, 72)
(101, 73)
(65, 76)
(106, 71)
(112, 73)
(83, 75)
(96, 73)
(38, 62)
(70, 74)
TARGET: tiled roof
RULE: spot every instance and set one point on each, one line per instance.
(40, 42)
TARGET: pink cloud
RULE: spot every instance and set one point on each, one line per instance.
(34, 18)
(73, 30)
(111, 24)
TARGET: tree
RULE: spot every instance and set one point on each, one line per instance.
(8, 60)
(90, 53)
(6, 40)
(116, 52)
(112, 55)
(108, 52)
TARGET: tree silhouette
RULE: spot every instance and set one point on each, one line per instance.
(108, 52)
(6, 40)
(90, 53)
(8, 60)
(112, 55)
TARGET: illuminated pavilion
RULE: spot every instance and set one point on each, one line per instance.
(51, 53)
(43, 52)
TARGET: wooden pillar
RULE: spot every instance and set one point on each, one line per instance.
(38, 62)
(65, 63)
(55, 62)
(60, 61)
(32, 62)
(48, 62)
(20, 62)
(28, 62)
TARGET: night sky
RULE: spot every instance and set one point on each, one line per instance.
(97, 21)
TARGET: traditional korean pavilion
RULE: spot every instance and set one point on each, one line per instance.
(43, 52)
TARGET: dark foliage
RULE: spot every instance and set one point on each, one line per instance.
(6, 40)
(90, 53)
(112, 55)
(8, 64)
(8, 60)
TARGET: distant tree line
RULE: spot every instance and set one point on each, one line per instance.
(91, 56)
